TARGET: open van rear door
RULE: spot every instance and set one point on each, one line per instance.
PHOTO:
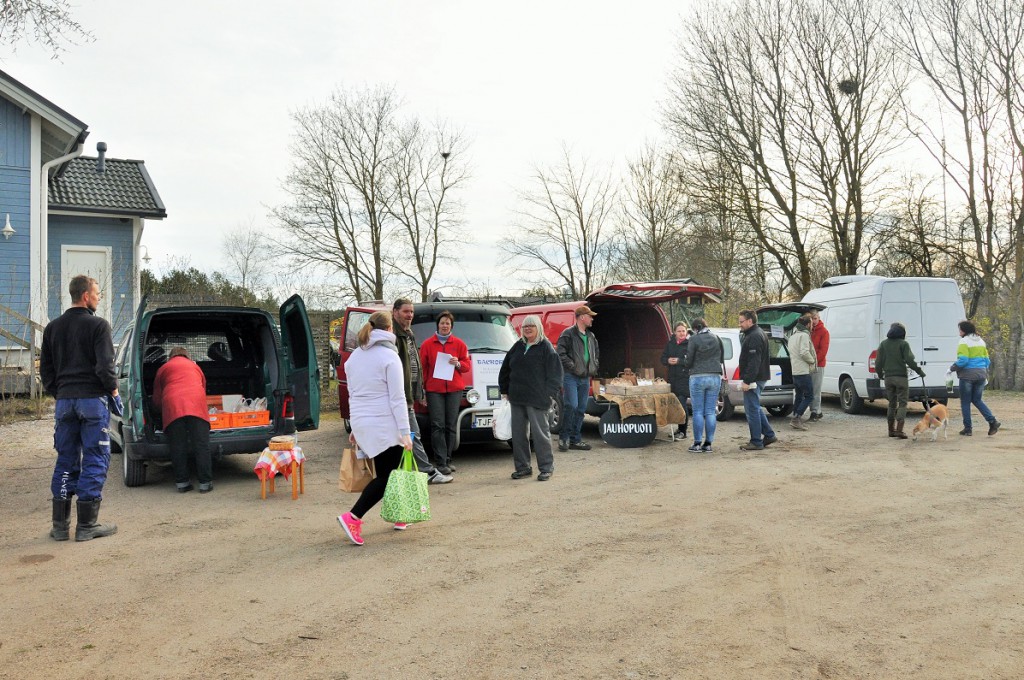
(784, 315)
(656, 292)
(301, 368)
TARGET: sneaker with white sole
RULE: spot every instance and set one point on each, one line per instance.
(401, 526)
(353, 527)
(695, 448)
(439, 478)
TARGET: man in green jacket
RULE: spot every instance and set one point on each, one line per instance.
(891, 363)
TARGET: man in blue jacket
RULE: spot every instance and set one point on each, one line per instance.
(76, 364)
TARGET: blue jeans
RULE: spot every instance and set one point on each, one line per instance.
(804, 393)
(704, 397)
(575, 392)
(757, 421)
(82, 442)
(970, 393)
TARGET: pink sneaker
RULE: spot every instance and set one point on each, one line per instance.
(353, 527)
(401, 526)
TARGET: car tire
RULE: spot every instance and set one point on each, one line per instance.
(134, 470)
(555, 415)
(848, 398)
(779, 411)
(725, 410)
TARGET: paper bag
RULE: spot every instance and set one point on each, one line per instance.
(355, 473)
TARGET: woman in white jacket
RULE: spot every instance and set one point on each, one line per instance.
(377, 412)
(803, 361)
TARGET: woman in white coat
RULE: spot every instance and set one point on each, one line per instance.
(377, 412)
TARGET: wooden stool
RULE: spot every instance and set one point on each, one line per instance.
(298, 476)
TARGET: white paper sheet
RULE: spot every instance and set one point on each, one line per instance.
(442, 369)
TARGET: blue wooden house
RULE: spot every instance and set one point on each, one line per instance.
(63, 214)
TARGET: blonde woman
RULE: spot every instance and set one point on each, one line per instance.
(377, 412)
(530, 376)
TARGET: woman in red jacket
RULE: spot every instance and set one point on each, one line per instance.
(444, 395)
(179, 393)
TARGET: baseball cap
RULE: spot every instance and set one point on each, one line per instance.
(583, 309)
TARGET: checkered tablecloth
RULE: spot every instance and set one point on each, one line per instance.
(273, 462)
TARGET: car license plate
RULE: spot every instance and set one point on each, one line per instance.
(482, 421)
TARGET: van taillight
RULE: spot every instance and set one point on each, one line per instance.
(288, 406)
(871, 361)
(736, 374)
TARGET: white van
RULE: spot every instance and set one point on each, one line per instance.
(858, 312)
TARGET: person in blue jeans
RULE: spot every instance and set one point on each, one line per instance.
(755, 369)
(76, 364)
(580, 356)
(704, 357)
(971, 366)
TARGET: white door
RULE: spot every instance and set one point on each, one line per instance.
(94, 261)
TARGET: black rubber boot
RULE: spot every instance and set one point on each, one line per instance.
(61, 530)
(88, 528)
(899, 430)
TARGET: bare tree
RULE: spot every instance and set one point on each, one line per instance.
(339, 184)
(46, 22)
(428, 170)
(796, 104)
(651, 219)
(245, 250)
(562, 229)
(970, 53)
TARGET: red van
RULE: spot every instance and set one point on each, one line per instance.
(630, 326)
(487, 331)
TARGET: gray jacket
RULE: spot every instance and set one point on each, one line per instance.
(801, 352)
(704, 354)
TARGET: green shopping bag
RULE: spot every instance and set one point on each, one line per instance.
(406, 498)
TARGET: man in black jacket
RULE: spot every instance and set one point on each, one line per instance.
(579, 354)
(76, 364)
(754, 372)
(403, 312)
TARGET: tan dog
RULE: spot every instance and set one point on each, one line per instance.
(935, 418)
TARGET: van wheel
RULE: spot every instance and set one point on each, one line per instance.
(779, 411)
(848, 397)
(555, 415)
(134, 470)
(725, 410)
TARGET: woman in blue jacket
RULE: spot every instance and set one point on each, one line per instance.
(971, 367)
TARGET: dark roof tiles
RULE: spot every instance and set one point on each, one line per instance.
(123, 188)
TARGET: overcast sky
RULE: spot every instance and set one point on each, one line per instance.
(203, 92)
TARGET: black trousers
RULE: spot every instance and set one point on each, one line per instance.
(188, 438)
(383, 463)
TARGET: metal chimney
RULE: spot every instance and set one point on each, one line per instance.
(101, 159)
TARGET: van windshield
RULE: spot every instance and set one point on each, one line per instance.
(483, 333)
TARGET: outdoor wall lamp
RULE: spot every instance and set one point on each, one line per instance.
(146, 258)
(8, 230)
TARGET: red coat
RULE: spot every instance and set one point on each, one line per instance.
(428, 355)
(819, 338)
(180, 390)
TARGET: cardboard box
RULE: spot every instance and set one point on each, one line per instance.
(637, 390)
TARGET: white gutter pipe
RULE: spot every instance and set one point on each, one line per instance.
(44, 226)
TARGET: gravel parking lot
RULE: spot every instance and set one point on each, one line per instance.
(839, 553)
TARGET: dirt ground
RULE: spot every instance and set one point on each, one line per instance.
(838, 553)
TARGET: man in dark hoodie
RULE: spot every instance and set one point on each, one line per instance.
(76, 364)
(891, 362)
(755, 369)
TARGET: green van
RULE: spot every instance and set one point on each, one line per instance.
(241, 351)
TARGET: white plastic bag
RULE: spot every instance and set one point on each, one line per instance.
(502, 421)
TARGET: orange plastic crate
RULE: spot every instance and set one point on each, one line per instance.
(250, 419)
(220, 421)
